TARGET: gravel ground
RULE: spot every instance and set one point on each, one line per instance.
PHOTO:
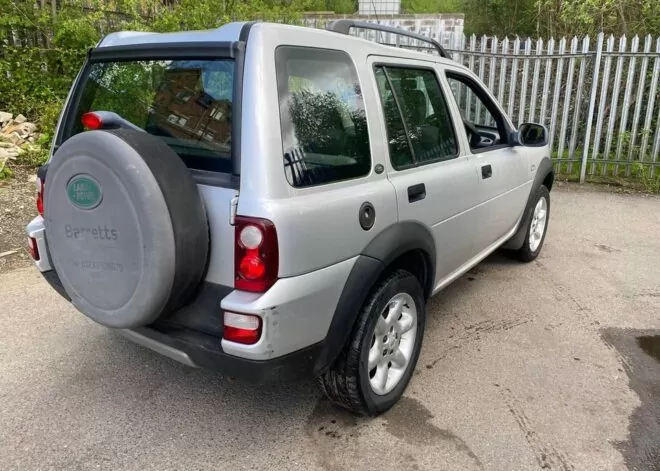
(548, 365)
(17, 208)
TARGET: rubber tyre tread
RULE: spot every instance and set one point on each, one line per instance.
(524, 254)
(341, 382)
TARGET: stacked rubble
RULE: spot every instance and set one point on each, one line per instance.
(16, 136)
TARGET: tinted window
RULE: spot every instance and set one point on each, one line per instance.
(187, 103)
(400, 150)
(324, 127)
(419, 126)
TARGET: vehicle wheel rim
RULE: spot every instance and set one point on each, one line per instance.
(392, 344)
(537, 227)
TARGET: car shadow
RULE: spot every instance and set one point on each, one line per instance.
(121, 383)
(113, 376)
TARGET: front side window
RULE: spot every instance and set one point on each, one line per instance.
(324, 126)
(187, 103)
(484, 124)
(419, 126)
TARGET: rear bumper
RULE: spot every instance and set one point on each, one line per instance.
(203, 348)
(188, 348)
(296, 314)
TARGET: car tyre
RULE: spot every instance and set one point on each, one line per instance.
(388, 333)
(538, 217)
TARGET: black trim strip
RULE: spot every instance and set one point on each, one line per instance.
(211, 178)
(481, 150)
(245, 31)
(145, 51)
(237, 107)
(395, 95)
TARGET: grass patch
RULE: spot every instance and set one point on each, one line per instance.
(642, 178)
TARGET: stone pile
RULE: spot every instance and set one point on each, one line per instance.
(17, 134)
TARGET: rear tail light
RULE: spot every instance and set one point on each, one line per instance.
(91, 121)
(40, 196)
(256, 254)
(33, 249)
(242, 328)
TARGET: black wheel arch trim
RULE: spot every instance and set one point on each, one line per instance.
(384, 249)
(400, 238)
(544, 170)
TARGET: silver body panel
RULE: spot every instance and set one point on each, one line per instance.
(296, 311)
(218, 210)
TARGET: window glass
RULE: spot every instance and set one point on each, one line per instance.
(324, 127)
(472, 107)
(187, 103)
(484, 124)
(419, 126)
(400, 154)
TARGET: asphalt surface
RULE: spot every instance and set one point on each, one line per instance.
(547, 365)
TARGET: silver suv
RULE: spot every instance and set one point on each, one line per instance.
(271, 201)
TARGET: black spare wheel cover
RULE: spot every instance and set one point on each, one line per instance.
(125, 225)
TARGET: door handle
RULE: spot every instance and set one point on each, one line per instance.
(486, 171)
(416, 192)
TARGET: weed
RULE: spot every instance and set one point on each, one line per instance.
(5, 173)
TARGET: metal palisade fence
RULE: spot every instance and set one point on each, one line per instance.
(599, 99)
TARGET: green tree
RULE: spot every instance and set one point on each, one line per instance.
(580, 17)
(41, 49)
(432, 6)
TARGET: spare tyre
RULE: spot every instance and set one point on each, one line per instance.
(126, 228)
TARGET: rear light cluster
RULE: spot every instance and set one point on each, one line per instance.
(91, 121)
(256, 264)
(242, 328)
(256, 254)
(40, 196)
(33, 249)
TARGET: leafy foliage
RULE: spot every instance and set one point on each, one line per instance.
(545, 18)
(43, 44)
(579, 17)
(41, 49)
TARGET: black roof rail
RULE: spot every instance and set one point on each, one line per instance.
(344, 27)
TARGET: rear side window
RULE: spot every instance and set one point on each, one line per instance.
(419, 126)
(324, 126)
(187, 103)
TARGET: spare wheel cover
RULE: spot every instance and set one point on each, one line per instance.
(125, 225)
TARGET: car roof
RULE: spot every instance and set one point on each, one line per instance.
(232, 32)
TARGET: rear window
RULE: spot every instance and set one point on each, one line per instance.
(324, 127)
(187, 103)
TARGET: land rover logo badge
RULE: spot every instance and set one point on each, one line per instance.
(84, 192)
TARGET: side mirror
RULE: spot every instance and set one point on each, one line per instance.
(530, 135)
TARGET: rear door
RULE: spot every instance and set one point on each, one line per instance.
(435, 182)
(186, 102)
(502, 169)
